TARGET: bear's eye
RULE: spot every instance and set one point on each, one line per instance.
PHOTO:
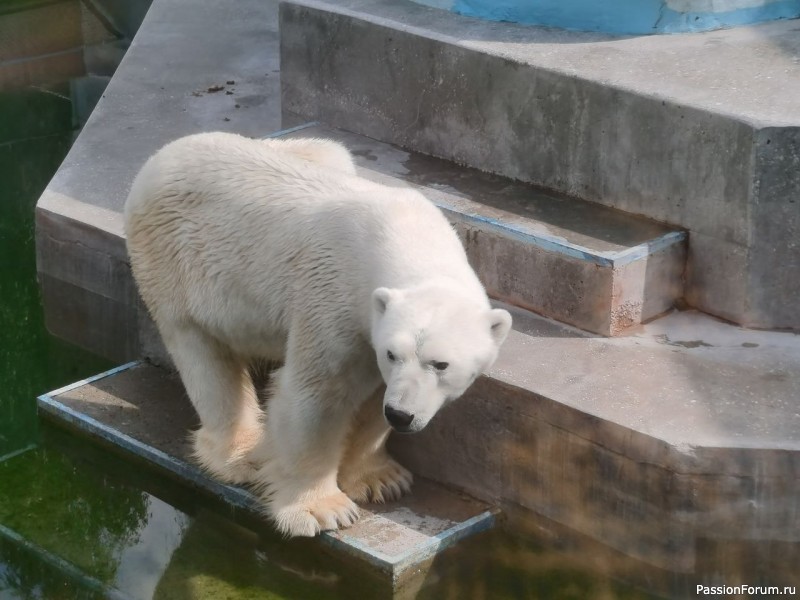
(440, 366)
(390, 356)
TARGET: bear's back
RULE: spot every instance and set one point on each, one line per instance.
(218, 219)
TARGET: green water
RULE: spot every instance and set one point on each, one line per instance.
(76, 521)
(36, 130)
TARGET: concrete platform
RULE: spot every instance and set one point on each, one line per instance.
(577, 262)
(701, 131)
(143, 412)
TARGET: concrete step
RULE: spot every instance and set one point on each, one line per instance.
(701, 131)
(33, 29)
(581, 263)
(683, 436)
(143, 412)
(51, 41)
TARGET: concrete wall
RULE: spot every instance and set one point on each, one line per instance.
(632, 492)
(716, 169)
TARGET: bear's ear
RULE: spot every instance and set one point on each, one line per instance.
(381, 298)
(500, 322)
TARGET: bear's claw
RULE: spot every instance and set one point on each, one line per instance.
(308, 518)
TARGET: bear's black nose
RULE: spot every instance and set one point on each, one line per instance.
(398, 419)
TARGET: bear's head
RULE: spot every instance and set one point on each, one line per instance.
(431, 343)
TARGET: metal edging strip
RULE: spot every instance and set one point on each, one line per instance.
(283, 132)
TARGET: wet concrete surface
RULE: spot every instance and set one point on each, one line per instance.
(519, 206)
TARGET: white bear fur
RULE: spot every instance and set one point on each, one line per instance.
(275, 249)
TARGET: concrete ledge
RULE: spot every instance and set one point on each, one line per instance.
(578, 262)
(143, 412)
(158, 93)
(89, 293)
(684, 129)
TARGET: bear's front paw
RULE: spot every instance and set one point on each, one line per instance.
(228, 457)
(310, 516)
(385, 482)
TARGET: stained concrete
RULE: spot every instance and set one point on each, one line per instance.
(143, 411)
(775, 221)
(578, 262)
(671, 127)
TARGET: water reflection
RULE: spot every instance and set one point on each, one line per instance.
(70, 512)
(78, 522)
(142, 564)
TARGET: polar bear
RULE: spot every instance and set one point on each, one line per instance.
(277, 250)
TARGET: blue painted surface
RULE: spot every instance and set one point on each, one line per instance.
(675, 22)
(617, 16)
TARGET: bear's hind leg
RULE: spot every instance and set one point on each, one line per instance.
(367, 472)
(220, 387)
